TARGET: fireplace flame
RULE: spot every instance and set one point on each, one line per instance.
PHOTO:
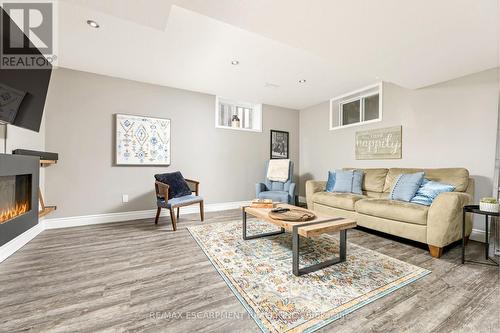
(10, 213)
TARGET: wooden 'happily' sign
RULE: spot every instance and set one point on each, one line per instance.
(383, 143)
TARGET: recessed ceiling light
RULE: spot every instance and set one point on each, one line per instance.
(235, 62)
(302, 81)
(93, 23)
(271, 85)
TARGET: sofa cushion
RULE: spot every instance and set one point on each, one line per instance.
(373, 179)
(393, 210)
(378, 195)
(337, 200)
(458, 177)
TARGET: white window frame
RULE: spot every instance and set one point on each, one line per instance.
(256, 117)
(344, 99)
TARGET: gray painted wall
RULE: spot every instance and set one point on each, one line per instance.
(22, 138)
(452, 124)
(79, 126)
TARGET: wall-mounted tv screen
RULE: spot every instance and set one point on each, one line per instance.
(22, 91)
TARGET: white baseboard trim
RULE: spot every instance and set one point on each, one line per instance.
(477, 235)
(75, 221)
(12, 246)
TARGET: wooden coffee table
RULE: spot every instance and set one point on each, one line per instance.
(320, 225)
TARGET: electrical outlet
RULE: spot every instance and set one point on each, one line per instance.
(125, 198)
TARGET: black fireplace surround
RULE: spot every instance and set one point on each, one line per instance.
(23, 173)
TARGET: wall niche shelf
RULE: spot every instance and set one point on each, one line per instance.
(45, 210)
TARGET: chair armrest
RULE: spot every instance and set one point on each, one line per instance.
(259, 187)
(444, 219)
(313, 186)
(291, 191)
(194, 185)
(161, 190)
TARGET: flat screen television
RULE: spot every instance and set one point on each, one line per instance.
(22, 91)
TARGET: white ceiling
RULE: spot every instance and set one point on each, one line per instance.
(336, 45)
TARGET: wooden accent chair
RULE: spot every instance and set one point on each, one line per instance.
(162, 200)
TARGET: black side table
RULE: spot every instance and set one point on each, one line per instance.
(475, 210)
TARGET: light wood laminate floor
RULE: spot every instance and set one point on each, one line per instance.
(135, 276)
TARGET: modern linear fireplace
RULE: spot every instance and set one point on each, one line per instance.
(15, 196)
(18, 195)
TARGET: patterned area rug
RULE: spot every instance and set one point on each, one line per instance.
(259, 272)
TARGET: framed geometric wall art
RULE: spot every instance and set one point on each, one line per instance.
(142, 140)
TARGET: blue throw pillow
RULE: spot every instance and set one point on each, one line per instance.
(406, 186)
(348, 181)
(357, 182)
(429, 190)
(331, 181)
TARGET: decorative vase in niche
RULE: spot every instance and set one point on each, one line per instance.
(235, 121)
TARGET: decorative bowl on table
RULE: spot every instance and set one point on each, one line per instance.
(490, 205)
(293, 215)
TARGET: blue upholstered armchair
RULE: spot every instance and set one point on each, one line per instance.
(277, 191)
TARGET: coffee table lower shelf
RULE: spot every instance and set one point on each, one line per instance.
(296, 269)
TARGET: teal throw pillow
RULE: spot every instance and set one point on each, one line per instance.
(429, 190)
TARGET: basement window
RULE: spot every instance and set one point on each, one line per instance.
(356, 108)
(238, 115)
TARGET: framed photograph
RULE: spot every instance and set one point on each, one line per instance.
(142, 140)
(279, 144)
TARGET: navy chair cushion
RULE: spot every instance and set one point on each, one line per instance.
(177, 186)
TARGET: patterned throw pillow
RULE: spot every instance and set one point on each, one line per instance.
(331, 181)
(429, 190)
(348, 181)
(406, 185)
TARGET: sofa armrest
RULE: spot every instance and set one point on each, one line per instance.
(444, 220)
(286, 185)
(259, 187)
(313, 186)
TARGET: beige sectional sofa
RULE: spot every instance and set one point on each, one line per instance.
(437, 225)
